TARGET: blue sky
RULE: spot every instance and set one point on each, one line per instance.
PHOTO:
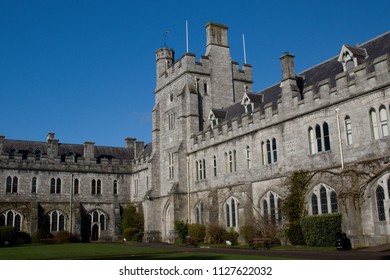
(85, 69)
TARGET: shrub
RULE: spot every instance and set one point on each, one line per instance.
(38, 235)
(294, 234)
(231, 235)
(22, 237)
(130, 233)
(248, 232)
(182, 230)
(215, 233)
(321, 230)
(7, 235)
(197, 232)
(63, 237)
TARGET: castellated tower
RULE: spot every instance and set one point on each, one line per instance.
(186, 91)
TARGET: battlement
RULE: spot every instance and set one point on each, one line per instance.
(290, 103)
(188, 63)
(52, 155)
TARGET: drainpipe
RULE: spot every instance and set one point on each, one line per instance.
(340, 141)
(70, 204)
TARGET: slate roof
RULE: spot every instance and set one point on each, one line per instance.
(325, 70)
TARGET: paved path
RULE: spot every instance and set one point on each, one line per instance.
(374, 253)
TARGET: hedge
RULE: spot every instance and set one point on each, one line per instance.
(7, 236)
(321, 230)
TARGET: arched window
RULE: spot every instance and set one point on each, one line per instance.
(99, 218)
(325, 128)
(99, 187)
(312, 145)
(76, 186)
(199, 213)
(271, 207)
(383, 121)
(348, 130)
(215, 165)
(55, 221)
(323, 200)
(380, 197)
(11, 184)
(231, 212)
(263, 153)
(318, 138)
(269, 159)
(93, 186)
(11, 218)
(55, 185)
(34, 185)
(115, 187)
(314, 204)
(274, 150)
(248, 157)
(374, 124)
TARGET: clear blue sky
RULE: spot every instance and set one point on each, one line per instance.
(85, 69)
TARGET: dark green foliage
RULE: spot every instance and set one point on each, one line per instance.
(132, 224)
(22, 237)
(7, 236)
(293, 206)
(197, 232)
(321, 230)
(215, 233)
(231, 235)
(295, 234)
(182, 230)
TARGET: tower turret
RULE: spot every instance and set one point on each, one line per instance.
(164, 60)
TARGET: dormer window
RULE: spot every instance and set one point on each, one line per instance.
(250, 101)
(213, 120)
(248, 106)
(215, 116)
(350, 57)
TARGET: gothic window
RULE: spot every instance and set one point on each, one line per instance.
(269, 152)
(98, 187)
(34, 185)
(93, 186)
(215, 165)
(55, 186)
(11, 218)
(383, 121)
(348, 130)
(171, 169)
(263, 153)
(325, 129)
(12, 184)
(374, 124)
(55, 221)
(312, 145)
(200, 169)
(232, 163)
(274, 150)
(76, 185)
(318, 138)
(323, 200)
(231, 212)
(171, 121)
(115, 187)
(271, 207)
(99, 218)
(136, 186)
(248, 157)
(205, 87)
(199, 213)
(380, 197)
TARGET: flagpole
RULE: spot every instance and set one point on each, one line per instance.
(243, 45)
(187, 36)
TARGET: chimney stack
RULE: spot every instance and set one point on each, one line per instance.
(288, 71)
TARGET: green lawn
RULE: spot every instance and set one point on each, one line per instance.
(111, 251)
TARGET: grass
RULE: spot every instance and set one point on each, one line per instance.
(110, 251)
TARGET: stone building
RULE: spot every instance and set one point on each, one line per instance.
(221, 153)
